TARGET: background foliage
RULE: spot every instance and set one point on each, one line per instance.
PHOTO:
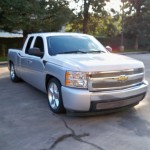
(33, 15)
(90, 17)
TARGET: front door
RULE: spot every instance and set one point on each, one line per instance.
(33, 67)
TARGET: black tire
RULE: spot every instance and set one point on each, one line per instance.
(13, 76)
(55, 96)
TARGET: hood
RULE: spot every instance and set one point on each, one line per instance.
(95, 62)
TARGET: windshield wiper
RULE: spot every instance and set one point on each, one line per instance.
(70, 52)
(96, 51)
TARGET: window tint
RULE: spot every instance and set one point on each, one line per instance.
(73, 43)
(39, 43)
(28, 44)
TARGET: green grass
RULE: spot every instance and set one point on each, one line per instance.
(3, 59)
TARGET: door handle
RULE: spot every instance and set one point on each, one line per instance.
(29, 61)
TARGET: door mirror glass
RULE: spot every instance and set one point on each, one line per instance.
(109, 48)
(35, 51)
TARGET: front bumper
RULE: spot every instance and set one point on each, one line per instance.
(83, 100)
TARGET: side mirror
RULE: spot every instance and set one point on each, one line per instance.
(109, 48)
(35, 51)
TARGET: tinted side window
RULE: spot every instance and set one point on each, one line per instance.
(28, 44)
(39, 43)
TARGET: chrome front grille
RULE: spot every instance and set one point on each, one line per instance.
(113, 80)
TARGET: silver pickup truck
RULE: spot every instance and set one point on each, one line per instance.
(78, 73)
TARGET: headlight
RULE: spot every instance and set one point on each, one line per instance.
(76, 79)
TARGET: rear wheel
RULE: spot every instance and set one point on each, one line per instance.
(55, 96)
(13, 75)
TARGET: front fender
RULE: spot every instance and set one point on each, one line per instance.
(56, 71)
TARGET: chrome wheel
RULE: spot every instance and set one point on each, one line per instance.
(12, 71)
(53, 95)
(13, 75)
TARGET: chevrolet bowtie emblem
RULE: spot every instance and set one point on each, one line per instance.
(122, 78)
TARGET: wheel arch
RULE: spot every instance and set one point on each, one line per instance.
(49, 77)
(9, 63)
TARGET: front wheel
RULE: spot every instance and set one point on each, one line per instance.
(13, 75)
(55, 96)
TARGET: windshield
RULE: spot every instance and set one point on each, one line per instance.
(64, 44)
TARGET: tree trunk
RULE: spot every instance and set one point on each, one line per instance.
(25, 33)
(85, 23)
(86, 15)
(136, 46)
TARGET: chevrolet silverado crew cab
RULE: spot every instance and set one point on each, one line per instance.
(78, 73)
